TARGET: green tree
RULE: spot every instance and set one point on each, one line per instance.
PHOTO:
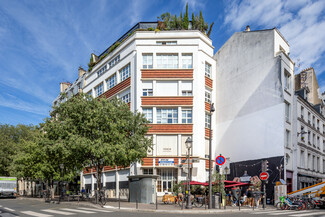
(97, 133)
(186, 18)
(11, 141)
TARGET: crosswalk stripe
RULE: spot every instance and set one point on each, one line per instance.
(57, 212)
(78, 210)
(99, 210)
(308, 214)
(35, 214)
(11, 210)
(266, 212)
(290, 212)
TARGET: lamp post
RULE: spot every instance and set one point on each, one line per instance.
(212, 109)
(188, 144)
(61, 188)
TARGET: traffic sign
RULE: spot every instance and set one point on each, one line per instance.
(220, 160)
(264, 176)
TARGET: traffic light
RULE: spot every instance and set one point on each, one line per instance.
(265, 165)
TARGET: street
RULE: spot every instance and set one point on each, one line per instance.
(26, 207)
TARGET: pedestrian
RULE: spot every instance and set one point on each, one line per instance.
(250, 198)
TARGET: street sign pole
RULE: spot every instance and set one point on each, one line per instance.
(264, 199)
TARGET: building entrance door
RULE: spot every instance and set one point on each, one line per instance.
(166, 179)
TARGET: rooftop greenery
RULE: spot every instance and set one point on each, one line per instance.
(166, 22)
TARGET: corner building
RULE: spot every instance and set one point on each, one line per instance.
(168, 76)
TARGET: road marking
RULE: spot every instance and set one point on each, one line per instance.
(57, 212)
(266, 212)
(11, 210)
(289, 212)
(308, 214)
(35, 214)
(78, 210)
(99, 210)
(113, 207)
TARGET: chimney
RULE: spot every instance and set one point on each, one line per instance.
(94, 57)
(64, 86)
(81, 71)
(248, 29)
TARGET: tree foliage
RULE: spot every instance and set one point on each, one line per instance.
(97, 133)
(12, 140)
(182, 22)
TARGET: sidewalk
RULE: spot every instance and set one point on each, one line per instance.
(174, 208)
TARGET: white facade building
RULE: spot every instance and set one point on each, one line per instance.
(310, 141)
(254, 104)
(169, 76)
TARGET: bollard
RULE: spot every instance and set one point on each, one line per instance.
(119, 200)
(156, 201)
(136, 200)
(253, 202)
(205, 201)
(238, 204)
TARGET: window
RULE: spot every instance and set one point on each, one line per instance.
(126, 98)
(208, 70)
(323, 145)
(147, 171)
(147, 92)
(318, 165)
(147, 61)
(309, 161)
(102, 70)
(186, 116)
(90, 93)
(166, 179)
(186, 93)
(314, 163)
(308, 117)
(302, 159)
(165, 116)
(147, 114)
(287, 111)
(287, 142)
(309, 135)
(323, 166)
(207, 120)
(318, 142)
(111, 81)
(302, 129)
(302, 112)
(167, 61)
(166, 42)
(317, 124)
(125, 72)
(313, 121)
(114, 61)
(187, 60)
(99, 90)
(314, 139)
(166, 88)
(208, 96)
(287, 80)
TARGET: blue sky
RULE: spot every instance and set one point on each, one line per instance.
(43, 42)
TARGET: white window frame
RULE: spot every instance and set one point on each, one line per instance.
(187, 116)
(125, 72)
(187, 93)
(147, 61)
(148, 113)
(187, 61)
(111, 81)
(147, 92)
(208, 67)
(207, 120)
(167, 61)
(102, 70)
(126, 98)
(99, 90)
(208, 96)
(167, 115)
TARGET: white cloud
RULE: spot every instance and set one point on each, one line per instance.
(301, 22)
(194, 5)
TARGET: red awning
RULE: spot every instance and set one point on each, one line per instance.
(194, 183)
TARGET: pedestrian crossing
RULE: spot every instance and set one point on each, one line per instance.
(63, 212)
(291, 213)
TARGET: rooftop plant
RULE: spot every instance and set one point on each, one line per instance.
(166, 21)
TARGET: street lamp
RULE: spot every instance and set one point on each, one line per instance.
(61, 188)
(212, 109)
(188, 144)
